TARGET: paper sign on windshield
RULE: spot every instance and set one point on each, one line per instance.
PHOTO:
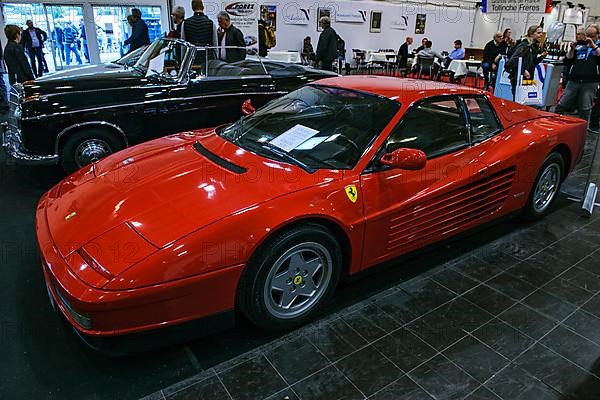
(293, 137)
(311, 143)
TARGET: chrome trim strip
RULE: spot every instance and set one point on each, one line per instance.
(79, 125)
(150, 102)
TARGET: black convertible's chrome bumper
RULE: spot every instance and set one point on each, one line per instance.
(11, 135)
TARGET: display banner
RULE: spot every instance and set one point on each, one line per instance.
(401, 23)
(293, 15)
(355, 16)
(516, 6)
(244, 15)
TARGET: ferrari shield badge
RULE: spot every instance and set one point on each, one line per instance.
(352, 193)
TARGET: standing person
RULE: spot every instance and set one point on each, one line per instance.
(584, 74)
(402, 57)
(199, 29)
(19, 70)
(33, 42)
(262, 38)
(509, 42)
(327, 45)
(58, 36)
(229, 35)
(492, 52)
(139, 32)
(530, 52)
(82, 35)
(71, 38)
(178, 15)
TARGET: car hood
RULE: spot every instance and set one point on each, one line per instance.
(166, 189)
(86, 70)
(70, 82)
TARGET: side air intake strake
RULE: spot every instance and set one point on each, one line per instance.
(440, 216)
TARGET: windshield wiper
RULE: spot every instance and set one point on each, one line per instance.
(282, 154)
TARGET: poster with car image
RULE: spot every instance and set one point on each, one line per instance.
(269, 15)
(244, 15)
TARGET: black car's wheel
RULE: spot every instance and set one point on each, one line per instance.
(546, 187)
(84, 147)
(290, 277)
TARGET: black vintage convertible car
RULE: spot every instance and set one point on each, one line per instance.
(174, 87)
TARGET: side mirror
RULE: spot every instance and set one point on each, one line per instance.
(193, 75)
(403, 158)
(248, 108)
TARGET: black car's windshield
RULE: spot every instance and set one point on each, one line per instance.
(163, 58)
(319, 126)
(131, 58)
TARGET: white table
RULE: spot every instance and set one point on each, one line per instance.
(459, 67)
(286, 56)
(380, 57)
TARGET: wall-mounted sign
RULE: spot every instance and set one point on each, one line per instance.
(375, 26)
(420, 24)
(401, 23)
(516, 6)
(322, 12)
(573, 16)
(244, 15)
(269, 15)
(356, 16)
(293, 15)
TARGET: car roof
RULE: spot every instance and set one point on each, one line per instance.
(404, 90)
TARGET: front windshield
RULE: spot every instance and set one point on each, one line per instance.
(318, 126)
(131, 58)
(164, 58)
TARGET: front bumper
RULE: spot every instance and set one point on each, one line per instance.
(122, 312)
(11, 136)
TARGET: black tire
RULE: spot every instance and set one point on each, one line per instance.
(251, 297)
(68, 158)
(533, 210)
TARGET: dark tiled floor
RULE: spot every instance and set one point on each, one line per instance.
(511, 312)
(517, 317)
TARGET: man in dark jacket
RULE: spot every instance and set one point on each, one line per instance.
(584, 74)
(327, 46)
(178, 16)
(19, 70)
(199, 29)
(402, 56)
(262, 38)
(33, 42)
(229, 35)
(139, 32)
(492, 53)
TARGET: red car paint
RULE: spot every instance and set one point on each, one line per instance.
(157, 234)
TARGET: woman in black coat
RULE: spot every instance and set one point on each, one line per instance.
(530, 52)
(19, 69)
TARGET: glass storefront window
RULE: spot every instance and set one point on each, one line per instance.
(70, 40)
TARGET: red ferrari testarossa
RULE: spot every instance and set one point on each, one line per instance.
(263, 216)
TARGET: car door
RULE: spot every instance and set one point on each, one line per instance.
(492, 145)
(214, 95)
(406, 210)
